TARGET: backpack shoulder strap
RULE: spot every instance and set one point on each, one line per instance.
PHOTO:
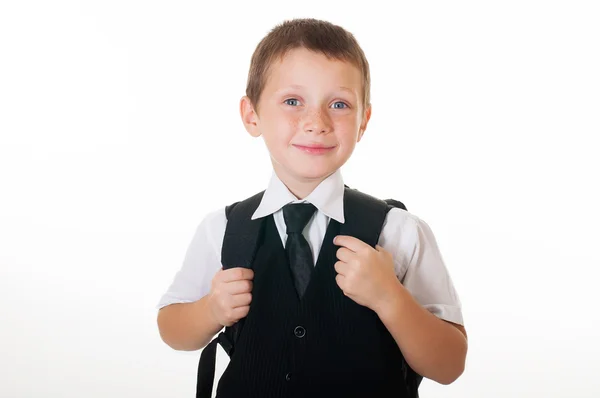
(364, 216)
(240, 243)
(241, 233)
(395, 203)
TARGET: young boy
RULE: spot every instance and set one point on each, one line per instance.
(333, 301)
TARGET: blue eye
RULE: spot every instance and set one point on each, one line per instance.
(292, 102)
(340, 105)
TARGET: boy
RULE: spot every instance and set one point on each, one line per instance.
(325, 313)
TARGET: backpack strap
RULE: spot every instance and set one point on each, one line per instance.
(395, 203)
(364, 216)
(242, 233)
(364, 219)
(240, 243)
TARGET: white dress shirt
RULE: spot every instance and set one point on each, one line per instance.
(417, 260)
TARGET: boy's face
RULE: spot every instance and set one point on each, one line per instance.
(311, 115)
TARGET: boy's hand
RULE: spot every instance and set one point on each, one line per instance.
(230, 297)
(366, 275)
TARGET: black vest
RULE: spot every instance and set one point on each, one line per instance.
(323, 345)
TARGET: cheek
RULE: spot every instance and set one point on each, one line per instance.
(283, 128)
(293, 124)
(347, 131)
(290, 121)
(280, 131)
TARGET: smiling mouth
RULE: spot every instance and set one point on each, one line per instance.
(314, 149)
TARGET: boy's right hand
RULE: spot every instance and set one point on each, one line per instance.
(230, 297)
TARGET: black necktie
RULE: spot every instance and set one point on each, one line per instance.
(298, 252)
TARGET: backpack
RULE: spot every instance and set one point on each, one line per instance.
(240, 243)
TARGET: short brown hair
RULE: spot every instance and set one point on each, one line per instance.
(320, 36)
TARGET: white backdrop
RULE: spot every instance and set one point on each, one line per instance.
(119, 131)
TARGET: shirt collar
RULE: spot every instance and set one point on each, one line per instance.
(328, 197)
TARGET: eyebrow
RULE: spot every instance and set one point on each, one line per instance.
(299, 87)
(346, 89)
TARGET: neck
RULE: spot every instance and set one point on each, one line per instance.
(299, 187)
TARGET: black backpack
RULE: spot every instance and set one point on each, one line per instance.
(240, 244)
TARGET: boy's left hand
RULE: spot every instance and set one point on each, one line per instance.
(365, 274)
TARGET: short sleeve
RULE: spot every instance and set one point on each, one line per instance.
(201, 262)
(419, 264)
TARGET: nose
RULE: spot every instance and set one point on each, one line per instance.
(317, 122)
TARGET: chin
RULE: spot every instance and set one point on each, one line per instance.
(315, 173)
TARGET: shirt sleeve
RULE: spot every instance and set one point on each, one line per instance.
(419, 264)
(201, 262)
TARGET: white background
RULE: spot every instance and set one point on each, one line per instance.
(119, 131)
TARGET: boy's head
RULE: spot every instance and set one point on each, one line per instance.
(308, 96)
(318, 36)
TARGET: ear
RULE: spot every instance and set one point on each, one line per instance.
(365, 121)
(249, 116)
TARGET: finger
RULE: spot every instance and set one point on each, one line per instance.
(344, 254)
(238, 287)
(340, 280)
(341, 267)
(237, 273)
(351, 243)
(241, 312)
(241, 300)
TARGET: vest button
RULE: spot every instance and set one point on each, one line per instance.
(299, 332)
(288, 377)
